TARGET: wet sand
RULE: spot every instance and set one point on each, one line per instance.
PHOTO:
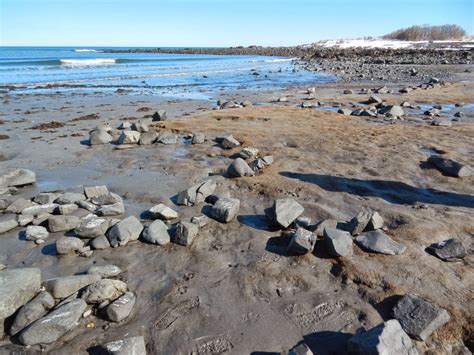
(235, 289)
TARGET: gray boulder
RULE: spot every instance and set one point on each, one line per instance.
(100, 243)
(451, 167)
(24, 220)
(92, 227)
(127, 346)
(184, 233)
(375, 222)
(19, 205)
(63, 287)
(359, 222)
(69, 198)
(17, 177)
(121, 308)
(229, 142)
(140, 126)
(104, 290)
(127, 230)
(378, 242)
(66, 245)
(167, 138)
(345, 111)
(39, 209)
(105, 270)
(442, 122)
(418, 317)
(197, 193)
(156, 233)
(8, 222)
(32, 311)
(148, 138)
(66, 209)
(285, 211)
(198, 138)
(200, 221)
(338, 243)
(385, 339)
(53, 326)
(35, 233)
(373, 99)
(62, 223)
(239, 168)
(95, 191)
(448, 250)
(302, 242)
(327, 223)
(163, 212)
(115, 209)
(17, 287)
(100, 136)
(261, 163)
(392, 110)
(159, 115)
(248, 153)
(129, 137)
(225, 209)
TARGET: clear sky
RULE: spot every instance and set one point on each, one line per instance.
(216, 22)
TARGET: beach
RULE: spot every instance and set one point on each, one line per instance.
(236, 289)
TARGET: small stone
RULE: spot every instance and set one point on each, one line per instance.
(167, 138)
(448, 250)
(359, 222)
(8, 222)
(261, 163)
(301, 349)
(229, 142)
(156, 233)
(63, 287)
(385, 339)
(344, 111)
(100, 243)
(225, 209)
(126, 346)
(198, 138)
(104, 290)
(99, 136)
(378, 242)
(444, 122)
(197, 193)
(349, 92)
(285, 211)
(62, 223)
(121, 308)
(33, 233)
(95, 191)
(392, 111)
(32, 311)
(105, 270)
(129, 137)
(66, 245)
(17, 178)
(159, 115)
(451, 167)
(105, 200)
(302, 242)
(418, 317)
(240, 168)
(248, 153)
(338, 243)
(148, 138)
(127, 230)
(185, 233)
(375, 222)
(163, 212)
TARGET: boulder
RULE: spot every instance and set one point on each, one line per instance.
(86, 205)
(32, 311)
(17, 177)
(338, 243)
(185, 232)
(159, 115)
(17, 287)
(100, 243)
(148, 138)
(24, 220)
(62, 223)
(385, 339)
(105, 270)
(53, 326)
(99, 136)
(375, 222)
(140, 126)
(448, 250)
(378, 242)
(418, 317)
(442, 122)
(115, 209)
(39, 209)
(105, 200)
(167, 138)
(129, 137)
(19, 205)
(68, 198)
(121, 308)
(225, 209)
(127, 230)
(126, 346)
(156, 233)
(392, 111)
(66, 209)
(358, 224)
(163, 212)
(35, 233)
(349, 92)
(104, 290)
(95, 191)
(8, 222)
(285, 211)
(66, 245)
(451, 167)
(302, 241)
(200, 221)
(345, 111)
(373, 99)
(229, 142)
(327, 223)
(248, 153)
(198, 138)
(239, 168)
(92, 227)
(63, 287)
(261, 163)
(197, 193)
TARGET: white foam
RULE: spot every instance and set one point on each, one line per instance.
(87, 61)
(85, 50)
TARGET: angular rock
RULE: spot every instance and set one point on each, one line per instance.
(66, 209)
(198, 138)
(105, 270)
(261, 163)
(302, 242)
(418, 317)
(200, 221)
(34, 233)
(338, 243)
(54, 325)
(184, 233)
(373, 99)
(63, 287)
(17, 287)
(285, 211)
(129, 137)
(167, 138)
(24, 220)
(115, 209)
(86, 205)
(248, 153)
(375, 222)
(140, 126)
(225, 209)
(32, 311)
(239, 168)
(127, 230)
(92, 227)
(148, 138)
(448, 250)
(345, 111)
(62, 223)
(385, 339)
(159, 115)
(121, 308)
(156, 233)
(104, 290)
(378, 242)
(17, 178)
(197, 193)
(66, 245)
(392, 110)
(127, 346)
(358, 224)
(8, 222)
(95, 191)
(70, 198)
(100, 243)
(163, 212)
(99, 136)
(327, 223)
(18, 205)
(229, 142)
(39, 209)
(451, 167)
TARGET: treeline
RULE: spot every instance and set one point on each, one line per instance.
(428, 33)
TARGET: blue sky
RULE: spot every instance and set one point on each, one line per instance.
(216, 22)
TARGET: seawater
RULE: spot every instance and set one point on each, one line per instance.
(45, 69)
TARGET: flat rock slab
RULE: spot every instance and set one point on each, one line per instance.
(418, 317)
(17, 287)
(385, 339)
(18, 177)
(127, 346)
(53, 326)
(378, 242)
(450, 166)
(285, 211)
(448, 250)
(63, 287)
(163, 212)
(32, 311)
(105, 270)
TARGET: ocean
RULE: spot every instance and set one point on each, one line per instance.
(75, 69)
